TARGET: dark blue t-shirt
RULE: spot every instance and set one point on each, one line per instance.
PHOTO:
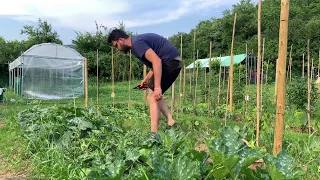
(160, 45)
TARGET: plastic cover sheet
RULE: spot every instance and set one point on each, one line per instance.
(51, 78)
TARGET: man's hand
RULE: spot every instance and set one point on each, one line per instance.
(143, 83)
(157, 93)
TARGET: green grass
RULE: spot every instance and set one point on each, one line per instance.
(16, 157)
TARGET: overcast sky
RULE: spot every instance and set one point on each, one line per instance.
(66, 16)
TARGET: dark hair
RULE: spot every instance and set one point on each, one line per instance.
(116, 34)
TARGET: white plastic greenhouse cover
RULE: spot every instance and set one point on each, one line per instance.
(46, 50)
(50, 71)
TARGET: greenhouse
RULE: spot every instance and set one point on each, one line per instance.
(48, 71)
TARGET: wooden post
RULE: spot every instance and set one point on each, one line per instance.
(205, 85)
(319, 65)
(303, 65)
(281, 76)
(209, 91)
(224, 77)
(145, 91)
(246, 98)
(195, 88)
(184, 81)
(130, 79)
(172, 97)
(194, 62)
(258, 75)
(112, 66)
(290, 63)
(97, 77)
(180, 83)
(309, 88)
(219, 91)
(231, 64)
(86, 81)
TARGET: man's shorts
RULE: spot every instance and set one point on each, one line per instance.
(170, 72)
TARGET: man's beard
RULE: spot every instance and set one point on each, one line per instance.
(125, 48)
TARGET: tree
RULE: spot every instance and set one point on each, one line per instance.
(41, 34)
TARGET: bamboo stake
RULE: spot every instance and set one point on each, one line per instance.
(281, 72)
(86, 81)
(246, 98)
(145, 91)
(227, 99)
(97, 76)
(184, 81)
(195, 89)
(309, 88)
(258, 75)
(180, 95)
(112, 65)
(130, 79)
(239, 73)
(205, 85)
(224, 77)
(303, 65)
(219, 91)
(290, 62)
(312, 69)
(209, 92)
(172, 97)
(194, 62)
(319, 64)
(231, 64)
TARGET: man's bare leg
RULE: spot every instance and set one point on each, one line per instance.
(165, 111)
(154, 111)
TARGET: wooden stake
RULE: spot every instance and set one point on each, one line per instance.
(209, 91)
(195, 88)
(172, 97)
(112, 65)
(262, 71)
(86, 82)
(231, 64)
(194, 61)
(180, 74)
(290, 63)
(130, 79)
(205, 85)
(319, 65)
(145, 91)
(97, 77)
(281, 76)
(184, 81)
(309, 88)
(224, 77)
(303, 65)
(258, 75)
(219, 91)
(246, 98)
(312, 70)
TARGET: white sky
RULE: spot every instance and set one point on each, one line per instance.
(81, 14)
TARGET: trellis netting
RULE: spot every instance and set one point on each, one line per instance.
(48, 71)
